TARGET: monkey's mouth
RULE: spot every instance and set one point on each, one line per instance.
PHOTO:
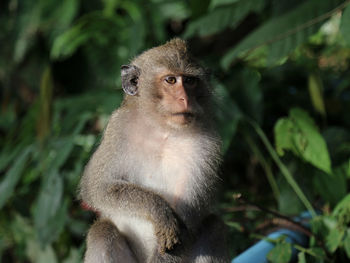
(182, 117)
(187, 115)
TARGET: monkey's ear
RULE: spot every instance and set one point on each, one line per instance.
(130, 76)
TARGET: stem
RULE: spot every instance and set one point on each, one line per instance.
(265, 165)
(299, 225)
(284, 170)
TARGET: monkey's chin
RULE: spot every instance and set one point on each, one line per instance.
(180, 119)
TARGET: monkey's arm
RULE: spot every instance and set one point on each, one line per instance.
(125, 198)
(105, 186)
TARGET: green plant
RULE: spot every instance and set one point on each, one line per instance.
(280, 72)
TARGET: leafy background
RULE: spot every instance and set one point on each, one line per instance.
(281, 75)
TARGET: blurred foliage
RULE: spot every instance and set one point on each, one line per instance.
(281, 75)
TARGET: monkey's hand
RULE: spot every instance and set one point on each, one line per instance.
(167, 230)
(126, 197)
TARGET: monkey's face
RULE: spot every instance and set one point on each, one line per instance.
(168, 85)
(178, 97)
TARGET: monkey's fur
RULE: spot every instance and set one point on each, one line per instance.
(154, 175)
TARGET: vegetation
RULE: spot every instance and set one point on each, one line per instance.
(281, 74)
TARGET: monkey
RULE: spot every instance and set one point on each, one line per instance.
(154, 176)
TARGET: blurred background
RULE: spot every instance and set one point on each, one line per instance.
(280, 70)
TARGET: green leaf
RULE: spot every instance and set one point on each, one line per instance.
(315, 90)
(284, 170)
(7, 118)
(8, 184)
(223, 17)
(288, 201)
(281, 253)
(24, 234)
(324, 185)
(46, 92)
(250, 98)
(75, 256)
(283, 139)
(301, 257)
(21, 229)
(47, 17)
(226, 110)
(317, 253)
(93, 27)
(8, 154)
(29, 25)
(345, 25)
(61, 15)
(334, 239)
(110, 7)
(338, 139)
(49, 212)
(38, 254)
(283, 33)
(342, 211)
(216, 3)
(299, 134)
(346, 243)
(318, 226)
(198, 7)
(61, 150)
(66, 44)
(330, 228)
(177, 10)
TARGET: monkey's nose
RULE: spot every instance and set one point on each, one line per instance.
(184, 102)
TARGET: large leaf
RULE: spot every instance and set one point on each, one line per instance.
(47, 17)
(288, 201)
(50, 210)
(227, 114)
(38, 254)
(29, 24)
(338, 139)
(334, 238)
(93, 27)
(316, 93)
(301, 257)
(223, 17)
(324, 185)
(320, 225)
(346, 243)
(216, 3)
(24, 235)
(8, 184)
(75, 256)
(46, 92)
(281, 253)
(248, 94)
(8, 154)
(299, 134)
(342, 210)
(284, 33)
(21, 229)
(345, 25)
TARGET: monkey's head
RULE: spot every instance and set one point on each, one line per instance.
(168, 84)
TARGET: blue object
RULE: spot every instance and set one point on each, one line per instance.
(258, 252)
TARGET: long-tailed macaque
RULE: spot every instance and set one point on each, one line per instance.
(154, 175)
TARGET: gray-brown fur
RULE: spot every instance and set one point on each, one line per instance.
(154, 183)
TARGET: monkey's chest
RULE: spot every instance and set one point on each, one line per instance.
(171, 170)
(172, 173)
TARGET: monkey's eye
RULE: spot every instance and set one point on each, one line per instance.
(191, 81)
(170, 79)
